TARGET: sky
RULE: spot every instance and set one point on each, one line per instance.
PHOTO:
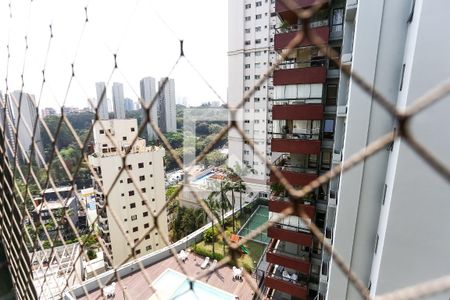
(145, 35)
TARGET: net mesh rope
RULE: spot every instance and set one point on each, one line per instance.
(16, 236)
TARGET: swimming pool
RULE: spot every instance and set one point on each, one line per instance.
(259, 217)
(174, 285)
(201, 179)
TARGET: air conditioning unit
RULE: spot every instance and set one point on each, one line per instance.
(337, 156)
(341, 111)
(332, 198)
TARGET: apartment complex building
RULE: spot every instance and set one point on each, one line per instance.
(250, 51)
(316, 117)
(148, 92)
(102, 101)
(167, 106)
(118, 100)
(145, 164)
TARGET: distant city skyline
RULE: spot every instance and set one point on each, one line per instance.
(122, 31)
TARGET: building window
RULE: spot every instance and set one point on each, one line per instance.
(122, 194)
(257, 28)
(143, 190)
(129, 180)
(257, 65)
(132, 205)
(256, 99)
(143, 202)
(133, 217)
(152, 187)
(258, 53)
(247, 54)
(258, 41)
(150, 163)
(138, 251)
(135, 229)
(337, 20)
(259, 3)
(247, 6)
(247, 66)
(131, 193)
(153, 199)
(247, 18)
(140, 165)
(102, 131)
(257, 76)
(146, 225)
(132, 129)
(332, 94)
(120, 181)
(247, 43)
(259, 16)
(145, 214)
(148, 248)
(147, 237)
(130, 167)
(328, 129)
(125, 220)
(247, 30)
(142, 178)
(246, 88)
(326, 160)
(247, 77)
(324, 268)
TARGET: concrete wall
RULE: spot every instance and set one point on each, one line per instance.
(377, 52)
(414, 227)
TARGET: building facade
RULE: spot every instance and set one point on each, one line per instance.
(102, 101)
(167, 106)
(24, 113)
(250, 52)
(147, 171)
(118, 100)
(148, 92)
(302, 111)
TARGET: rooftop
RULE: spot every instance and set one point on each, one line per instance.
(138, 288)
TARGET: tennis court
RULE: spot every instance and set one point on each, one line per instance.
(259, 217)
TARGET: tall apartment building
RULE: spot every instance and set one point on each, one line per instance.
(249, 56)
(118, 100)
(302, 114)
(129, 104)
(148, 92)
(24, 114)
(167, 106)
(147, 169)
(102, 101)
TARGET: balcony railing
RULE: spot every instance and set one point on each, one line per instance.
(293, 143)
(294, 101)
(293, 234)
(313, 62)
(306, 135)
(290, 285)
(278, 255)
(298, 27)
(297, 112)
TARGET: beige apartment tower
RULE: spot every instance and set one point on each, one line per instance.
(125, 206)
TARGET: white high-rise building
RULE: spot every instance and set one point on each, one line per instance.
(118, 100)
(148, 92)
(102, 101)
(249, 56)
(24, 122)
(147, 171)
(167, 106)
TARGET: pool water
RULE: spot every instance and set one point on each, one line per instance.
(174, 285)
(259, 217)
(201, 180)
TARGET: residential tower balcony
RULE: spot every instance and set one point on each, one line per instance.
(277, 280)
(291, 234)
(301, 143)
(286, 35)
(293, 109)
(296, 73)
(279, 203)
(277, 254)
